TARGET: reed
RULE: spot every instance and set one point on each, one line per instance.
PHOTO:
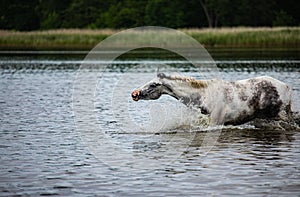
(281, 37)
(74, 39)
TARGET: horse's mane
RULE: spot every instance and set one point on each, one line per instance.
(193, 82)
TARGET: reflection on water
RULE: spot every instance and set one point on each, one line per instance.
(42, 154)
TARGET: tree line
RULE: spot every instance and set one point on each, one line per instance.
(53, 14)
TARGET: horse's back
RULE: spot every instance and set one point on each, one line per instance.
(271, 88)
(270, 95)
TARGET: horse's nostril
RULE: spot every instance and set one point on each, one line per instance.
(135, 95)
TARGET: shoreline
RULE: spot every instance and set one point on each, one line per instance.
(85, 39)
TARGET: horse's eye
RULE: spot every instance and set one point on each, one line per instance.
(153, 85)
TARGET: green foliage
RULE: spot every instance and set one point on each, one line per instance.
(123, 14)
(50, 21)
(54, 14)
(18, 15)
(283, 19)
(81, 13)
(165, 13)
(51, 13)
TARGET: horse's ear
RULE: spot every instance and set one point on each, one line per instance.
(158, 74)
(161, 75)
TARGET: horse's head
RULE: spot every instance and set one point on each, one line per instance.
(150, 91)
(177, 86)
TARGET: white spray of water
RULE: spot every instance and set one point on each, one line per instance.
(167, 115)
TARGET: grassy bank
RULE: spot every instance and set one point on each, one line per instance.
(73, 39)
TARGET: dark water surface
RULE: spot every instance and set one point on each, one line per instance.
(41, 153)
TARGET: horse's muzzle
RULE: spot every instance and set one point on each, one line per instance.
(135, 95)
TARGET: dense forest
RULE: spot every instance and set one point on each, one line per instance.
(54, 14)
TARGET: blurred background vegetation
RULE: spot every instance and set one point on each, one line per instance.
(55, 14)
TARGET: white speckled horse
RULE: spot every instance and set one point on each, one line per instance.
(224, 102)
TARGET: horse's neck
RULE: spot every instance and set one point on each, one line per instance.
(193, 96)
(182, 90)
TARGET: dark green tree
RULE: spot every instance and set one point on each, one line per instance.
(15, 14)
(126, 13)
(81, 13)
(283, 19)
(51, 13)
(165, 13)
(193, 14)
(211, 9)
(287, 13)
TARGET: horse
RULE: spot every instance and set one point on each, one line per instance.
(226, 103)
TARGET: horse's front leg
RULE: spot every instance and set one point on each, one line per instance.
(217, 116)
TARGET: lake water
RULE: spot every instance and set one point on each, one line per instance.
(42, 152)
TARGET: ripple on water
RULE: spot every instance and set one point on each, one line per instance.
(42, 154)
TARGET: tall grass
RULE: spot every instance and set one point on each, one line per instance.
(248, 37)
(53, 39)
(73, 39)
